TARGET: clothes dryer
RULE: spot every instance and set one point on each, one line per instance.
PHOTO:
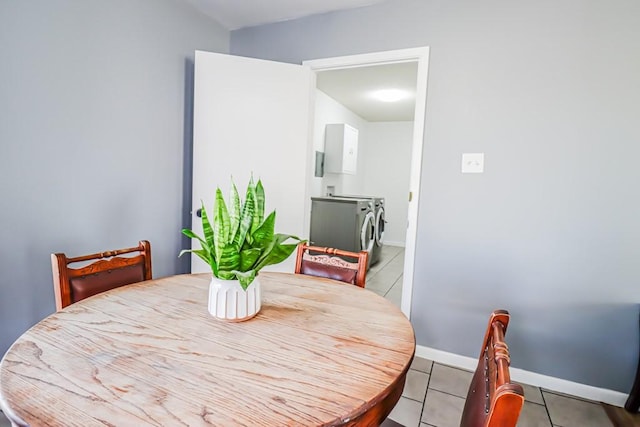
(343, 223)
(379, 223)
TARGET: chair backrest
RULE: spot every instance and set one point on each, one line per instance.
(493, 400)
(330, 263)
(108, 271)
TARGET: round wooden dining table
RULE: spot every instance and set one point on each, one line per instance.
(319, 353)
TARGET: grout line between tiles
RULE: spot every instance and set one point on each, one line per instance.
(394, 284)
(447, 393)
(424, 402)
(546, 408)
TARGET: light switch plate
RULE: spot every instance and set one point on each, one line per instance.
(472, 162)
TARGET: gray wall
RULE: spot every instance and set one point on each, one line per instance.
(95, 127)
(549, 92)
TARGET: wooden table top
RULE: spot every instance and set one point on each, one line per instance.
(319, 353)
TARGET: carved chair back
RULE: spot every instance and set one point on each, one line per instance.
(106, 271)
(493, 400)
(332, 264)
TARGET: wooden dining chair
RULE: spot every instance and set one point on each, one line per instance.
(493, 400)
(330, 263)
(106, 271)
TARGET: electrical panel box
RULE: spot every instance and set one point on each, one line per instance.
(341, 148)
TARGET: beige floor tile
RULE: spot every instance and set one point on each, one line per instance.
(416, 386)
(378, 285)
(450, 380)
(389, 251)
(389, 255)
(532, 394)
(442, 409)
(396, 266)
(569, 412)
(421, 364)
(407, 412)
(385, 277)
(534, 415)
(393, 253)
(388, 275)
(373, 270)
(395, 293)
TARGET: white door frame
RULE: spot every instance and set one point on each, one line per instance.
(421, 56)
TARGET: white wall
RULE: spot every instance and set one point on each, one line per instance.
(386, 166)
(327, 110)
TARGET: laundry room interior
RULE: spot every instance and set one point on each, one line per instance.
(361, 150)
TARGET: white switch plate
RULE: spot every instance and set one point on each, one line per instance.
(472, 162)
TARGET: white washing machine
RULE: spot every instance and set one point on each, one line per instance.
(343, 223)
(379, 222)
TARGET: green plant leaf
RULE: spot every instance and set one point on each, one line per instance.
(245, 277)
(203, 255)
(185, 251)
(277, 251)
(229, 258)
(258, 210)
(226, 275)
(277, 254)
(207, 230)
(248, 258)
(263, 235)
(234, 211)
(245, 220)
(260, 202)
(239, 241)
(221, 226)
(207, 243)
(190, 234)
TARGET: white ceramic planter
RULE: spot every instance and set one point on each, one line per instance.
(228, 301)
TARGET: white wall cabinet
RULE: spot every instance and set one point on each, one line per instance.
(341, 148)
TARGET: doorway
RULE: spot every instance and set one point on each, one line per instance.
(419, 57)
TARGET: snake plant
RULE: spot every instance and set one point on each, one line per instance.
(241, 241)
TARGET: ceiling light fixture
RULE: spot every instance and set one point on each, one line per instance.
(390, 95)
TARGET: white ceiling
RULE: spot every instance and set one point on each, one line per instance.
(350, 87)
(235, 14)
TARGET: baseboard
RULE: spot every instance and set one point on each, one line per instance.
(392, 243)
(583, 391)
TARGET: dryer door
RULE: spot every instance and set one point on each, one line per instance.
(379, 226)
(367, 234)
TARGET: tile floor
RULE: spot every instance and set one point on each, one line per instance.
(385, 276)
(434, 396)
(434, 393)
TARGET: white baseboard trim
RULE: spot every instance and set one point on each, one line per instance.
(392, 243)
(584, 391)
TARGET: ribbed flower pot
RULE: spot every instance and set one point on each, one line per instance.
(228, 301)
